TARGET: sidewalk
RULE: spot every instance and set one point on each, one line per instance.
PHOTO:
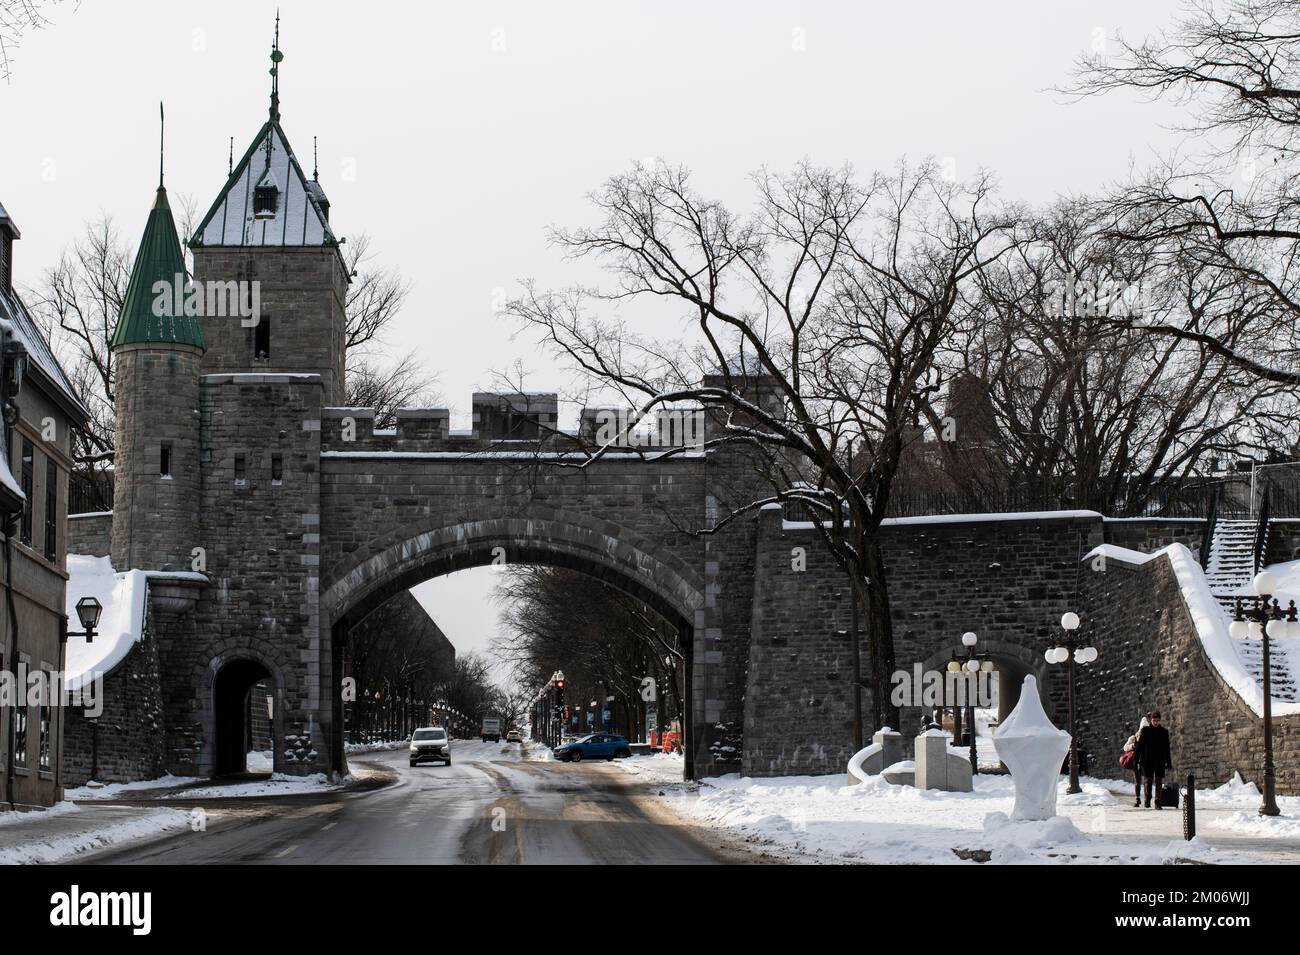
(71, 829)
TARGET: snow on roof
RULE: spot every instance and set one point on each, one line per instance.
(120, 625)
(962, 518)
(1211, 621)
(298, 219)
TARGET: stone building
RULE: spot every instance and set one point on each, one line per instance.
(40, 411)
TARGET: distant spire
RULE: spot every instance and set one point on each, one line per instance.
(315, 163)
(230, 163)
(162, 130)
(276, 57)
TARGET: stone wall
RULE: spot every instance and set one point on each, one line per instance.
(127, 741)
(1009, 580)
(1149, 534)
(90, 534)
(1150, 657)
(261, 539)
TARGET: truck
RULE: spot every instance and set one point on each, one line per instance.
(491, 730)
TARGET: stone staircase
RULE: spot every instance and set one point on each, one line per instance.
(1232, 560)
(1229, 571)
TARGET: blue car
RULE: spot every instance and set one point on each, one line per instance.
(595, 746)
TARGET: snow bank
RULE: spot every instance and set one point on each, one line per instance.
(94, 790)
(48, 839)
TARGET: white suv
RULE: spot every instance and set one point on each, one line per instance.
(430, 742)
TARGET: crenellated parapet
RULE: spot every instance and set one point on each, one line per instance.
(511, 422)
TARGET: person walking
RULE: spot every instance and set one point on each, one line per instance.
(1154, 756)
(1129, 761)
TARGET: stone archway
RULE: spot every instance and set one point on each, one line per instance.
(222, 700)
(599, 549)
(1012, 662)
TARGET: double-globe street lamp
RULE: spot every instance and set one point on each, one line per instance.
(973, 662)
(1072, 650)
(1264, 617)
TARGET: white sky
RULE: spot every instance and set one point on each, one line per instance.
(455, 133)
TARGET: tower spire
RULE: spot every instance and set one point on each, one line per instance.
(276, 57)
(162, 130)
(315, 163)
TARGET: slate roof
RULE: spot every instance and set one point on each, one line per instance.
(299, 218)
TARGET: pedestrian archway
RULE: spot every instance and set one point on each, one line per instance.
(230, 697)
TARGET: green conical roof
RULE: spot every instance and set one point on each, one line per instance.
(159, 260)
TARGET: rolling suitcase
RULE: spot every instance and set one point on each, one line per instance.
(1169, 796)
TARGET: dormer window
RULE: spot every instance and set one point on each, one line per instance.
(266, 196)
(266, 199)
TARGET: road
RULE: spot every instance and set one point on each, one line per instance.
(488, 807)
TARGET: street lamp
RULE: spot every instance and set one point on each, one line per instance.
(1265, 618)
(1072, 650)
(88, 611)
(972, 662)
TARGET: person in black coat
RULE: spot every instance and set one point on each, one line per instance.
(1154, 756)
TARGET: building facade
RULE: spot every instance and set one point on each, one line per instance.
(40, 411)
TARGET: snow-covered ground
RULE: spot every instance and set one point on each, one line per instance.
(823, 818)
(277, 784)
(68, 830)
(119, 790)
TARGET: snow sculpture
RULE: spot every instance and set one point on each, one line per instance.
(1033, 750)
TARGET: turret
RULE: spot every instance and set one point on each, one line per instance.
(157, 350)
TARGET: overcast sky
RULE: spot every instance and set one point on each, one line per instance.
(455, 133)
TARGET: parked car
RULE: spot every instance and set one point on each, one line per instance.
(430, 743)
(491, 730)
(514, 736)
(595, 746)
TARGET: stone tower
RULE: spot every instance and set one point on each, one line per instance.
(270, 226)
(157, 351)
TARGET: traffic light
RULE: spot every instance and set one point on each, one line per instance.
(559, 691)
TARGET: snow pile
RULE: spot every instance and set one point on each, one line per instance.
(93, 790)
(355, 748)
(1249, 821)
(54, 835)
(1011, 841)
(259, 762)
(279, 784)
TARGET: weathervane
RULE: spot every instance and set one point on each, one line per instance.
(276, 57)
(162, 131)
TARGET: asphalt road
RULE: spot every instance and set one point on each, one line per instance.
(487, 807)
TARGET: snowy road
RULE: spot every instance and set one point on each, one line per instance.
(489, 806)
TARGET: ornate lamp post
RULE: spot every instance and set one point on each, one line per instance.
(972, 662)
(1264, 617)
(1072, 650)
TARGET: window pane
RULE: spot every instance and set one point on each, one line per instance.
(19, 736)
(29, 480)
(51, 509)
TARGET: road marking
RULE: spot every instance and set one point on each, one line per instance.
(284, 852)
(328, 825)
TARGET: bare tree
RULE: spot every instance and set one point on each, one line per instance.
(1229, 202)
(815, 321)
(17, 19)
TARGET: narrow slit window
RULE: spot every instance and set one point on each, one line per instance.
(165, 460)
(241, 469)
(277, 468)
(262, 339)
(29, 487)
(51, 510)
